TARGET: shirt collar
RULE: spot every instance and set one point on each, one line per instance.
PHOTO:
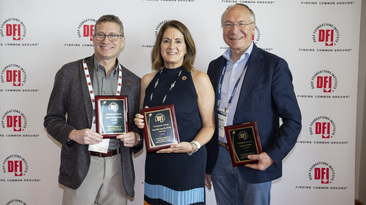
(100, 68)
(245, 55)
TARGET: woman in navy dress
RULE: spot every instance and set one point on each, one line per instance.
(176, 175)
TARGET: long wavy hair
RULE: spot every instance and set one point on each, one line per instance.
(156, 58)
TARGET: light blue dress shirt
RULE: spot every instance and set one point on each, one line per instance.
(233, 72)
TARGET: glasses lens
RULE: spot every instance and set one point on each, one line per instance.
(100, 36)
(113, 37)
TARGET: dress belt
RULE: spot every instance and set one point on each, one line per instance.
(224, 145)
(108, 154)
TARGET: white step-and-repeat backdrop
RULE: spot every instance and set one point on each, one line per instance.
(319, 39)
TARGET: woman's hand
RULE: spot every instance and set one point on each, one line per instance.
(139, 121)
(183, 147)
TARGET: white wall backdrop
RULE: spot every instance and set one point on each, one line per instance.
(319, 39)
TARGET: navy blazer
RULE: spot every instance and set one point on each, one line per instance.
(267, 94)
(70, 108)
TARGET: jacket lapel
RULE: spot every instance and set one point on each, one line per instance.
(221, 65)
(255, 67)
(85, 91)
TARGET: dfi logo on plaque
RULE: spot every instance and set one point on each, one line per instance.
(13, 75)
(86, 29)
(113, 106)
(159, 118)
(13, 28)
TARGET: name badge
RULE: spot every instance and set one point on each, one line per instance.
(101, 147)
(222, 123)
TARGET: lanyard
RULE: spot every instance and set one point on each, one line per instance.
(90, 86)
(171, 86)
(235, 86)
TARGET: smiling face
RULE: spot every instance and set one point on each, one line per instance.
(173, 48)
(106, 50)
(237, 37)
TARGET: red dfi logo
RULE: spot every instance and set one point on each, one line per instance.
(13, 30)
(323, 129)
(15, 122)
(321, 174)
(14, 76)
(326, 36)
(325, 83)
(16, 167)
(323, 126)
(326, 33)
(88, 31)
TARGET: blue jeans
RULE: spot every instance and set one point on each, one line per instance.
(230, 187)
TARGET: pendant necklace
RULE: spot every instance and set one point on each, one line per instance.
(171, 86)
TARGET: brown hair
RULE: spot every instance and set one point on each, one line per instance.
(156, 59)
(110, 18)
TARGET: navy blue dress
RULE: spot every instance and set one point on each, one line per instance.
(176, 178)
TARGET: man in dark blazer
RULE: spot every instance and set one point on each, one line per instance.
(90, 175)
(251, 85)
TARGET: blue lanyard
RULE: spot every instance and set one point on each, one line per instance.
(235, 86)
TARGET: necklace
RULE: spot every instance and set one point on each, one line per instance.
(171, 85)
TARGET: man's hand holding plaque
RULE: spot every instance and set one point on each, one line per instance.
(111, 115)
(160, 127)
(243, 140)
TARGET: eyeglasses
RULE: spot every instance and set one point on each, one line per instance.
(112, 37)
(240, 24)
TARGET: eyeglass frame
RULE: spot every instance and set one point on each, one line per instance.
(240, 24)
(109, 36)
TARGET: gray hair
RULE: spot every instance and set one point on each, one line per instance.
(252, 15)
